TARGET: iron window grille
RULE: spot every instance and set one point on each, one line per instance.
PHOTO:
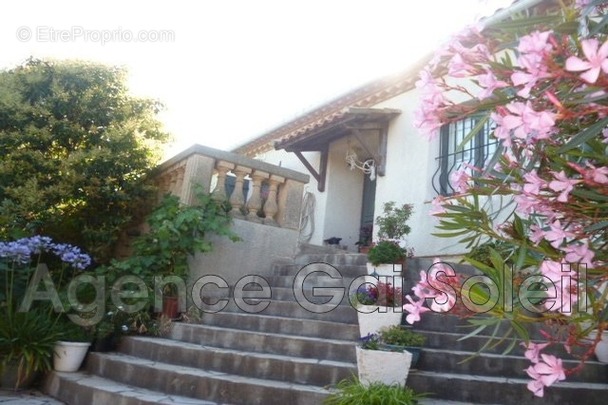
(457, 151)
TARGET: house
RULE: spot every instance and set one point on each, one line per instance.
(362, 149)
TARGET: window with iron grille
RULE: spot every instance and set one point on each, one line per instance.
(456, 154)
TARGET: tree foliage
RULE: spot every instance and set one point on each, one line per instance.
(75, 147)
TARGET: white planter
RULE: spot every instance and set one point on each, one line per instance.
(372, 318)
(383, 367)
(601, 350)
(68, 356)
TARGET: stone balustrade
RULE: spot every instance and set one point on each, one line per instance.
(261, 192)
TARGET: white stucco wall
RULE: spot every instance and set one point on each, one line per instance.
(411, 162)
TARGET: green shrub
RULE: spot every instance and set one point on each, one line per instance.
(352, 392)
(392, 224)
(386, 252)
(396, 335)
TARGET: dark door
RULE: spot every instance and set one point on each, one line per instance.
(367, 211)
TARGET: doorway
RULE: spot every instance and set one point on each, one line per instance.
(367, 211)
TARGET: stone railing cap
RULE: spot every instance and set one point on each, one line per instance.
(236, 159)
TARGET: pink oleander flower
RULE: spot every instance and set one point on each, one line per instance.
(596, 174)
(522, 121)
(414, 309)
(554, 271)
(566, 294)
(579, 253)
(545, 373)
(537, 234)
(535, 42)
(460, 180)
(536, 385)
(423, 289)
(533, 350)
(437, 206)
(597, 60)
(556, 235)
(490, 83)
(563, 185)
(458, 67)
(534, 183)
(550, 369)
(427, 120)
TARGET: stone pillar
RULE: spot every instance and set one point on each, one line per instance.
(255, 201)
(271, 208)
(222, 167)
(197, 171)
(237, 199)
(290, 204)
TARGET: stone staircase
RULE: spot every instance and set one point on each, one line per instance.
(285, 354)
(288, 354)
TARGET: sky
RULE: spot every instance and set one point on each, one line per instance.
(228, 71)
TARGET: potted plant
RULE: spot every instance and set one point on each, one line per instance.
(353, 392)
(388, 255)
(30, 328)
(69, 352)
(378, 304)
(399, 338)
(27, 340)
(375, 364)
(365, 239)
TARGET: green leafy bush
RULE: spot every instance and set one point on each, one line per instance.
(386, 252)
(352, 392)
(399, 336)
(392, 224)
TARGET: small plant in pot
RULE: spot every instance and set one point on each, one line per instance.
(386, 252)
(381, 360)
(378, 304)
(391, 249)
(399, 338)
(69, 352)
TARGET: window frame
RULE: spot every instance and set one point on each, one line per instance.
(453, 154)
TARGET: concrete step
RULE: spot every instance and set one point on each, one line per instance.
(345, 270)
(335, 259)
(304, 309)
(260, 342)
(202, 384)
(84, 389)
(318, 372)
(457, 342)
(503, 390)
(445, 322)
(432, 401)
(283, 325)
(318, 296)
(485, 364)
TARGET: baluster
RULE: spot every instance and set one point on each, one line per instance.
(255, 201)
(237, 199)
(219, 192)
(271, 207)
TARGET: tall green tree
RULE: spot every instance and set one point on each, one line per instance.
(75, 150)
